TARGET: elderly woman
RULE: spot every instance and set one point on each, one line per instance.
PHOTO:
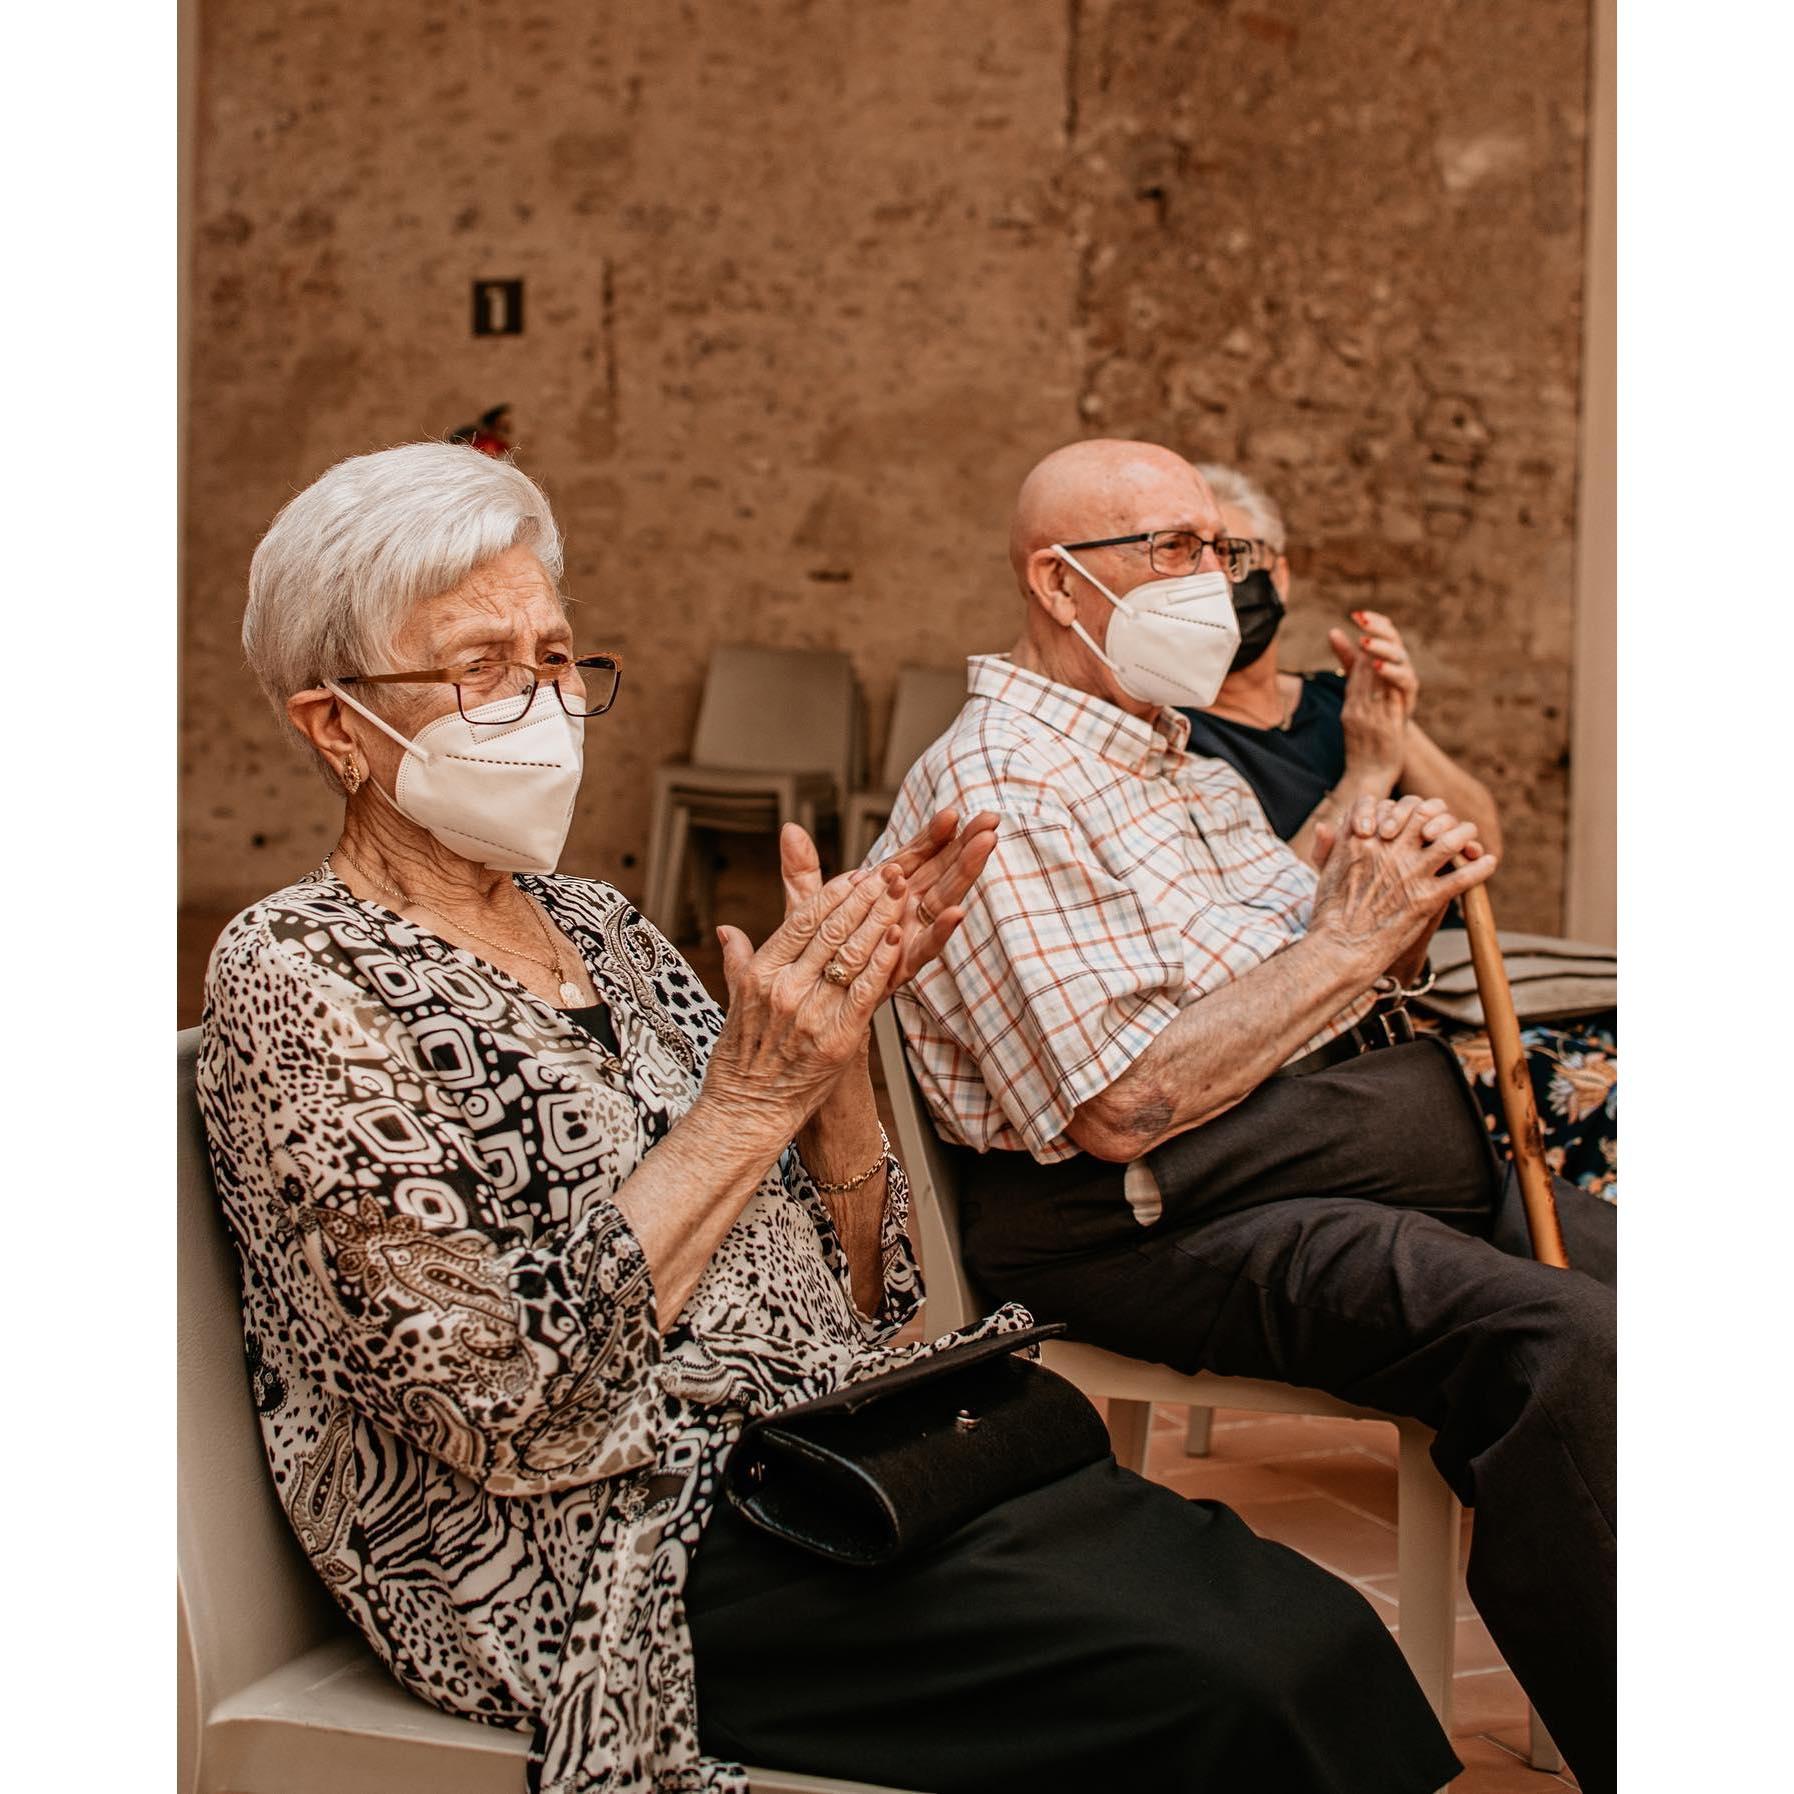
(529, 1231)
(1311, 743)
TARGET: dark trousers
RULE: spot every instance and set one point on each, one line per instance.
(1350, 1231)
(1101, 1632)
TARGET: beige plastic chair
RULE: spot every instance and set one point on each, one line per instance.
(778, 740)
(278, 1693)
(1427, 1511)
(927, 699)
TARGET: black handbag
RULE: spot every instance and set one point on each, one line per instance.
(883, 1469)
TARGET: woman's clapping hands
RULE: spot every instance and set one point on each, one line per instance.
(1380, 649)
(800, 1006)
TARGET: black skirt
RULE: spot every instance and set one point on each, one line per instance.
(1102, 1632)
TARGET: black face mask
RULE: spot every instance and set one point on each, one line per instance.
(1260, 614)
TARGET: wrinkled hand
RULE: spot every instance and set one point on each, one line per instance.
(1384, 876)
(940, 864)
(1380, 643)
(791, 1029)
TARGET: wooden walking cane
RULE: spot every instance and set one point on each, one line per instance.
(1513, 1079)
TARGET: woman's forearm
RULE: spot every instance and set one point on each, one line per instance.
(1353, 784)
(686, 1194)
(840, 1141)
(1429, 771)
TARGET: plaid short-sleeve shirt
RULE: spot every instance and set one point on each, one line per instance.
(1130, 878)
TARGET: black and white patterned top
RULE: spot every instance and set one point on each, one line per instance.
(485, 1446)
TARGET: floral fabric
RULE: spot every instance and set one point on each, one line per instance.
(1576, 1084)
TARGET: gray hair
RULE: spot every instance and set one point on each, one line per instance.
(1231, 487)
(340, 568)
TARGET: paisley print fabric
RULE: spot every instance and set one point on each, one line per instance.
(484, 1444)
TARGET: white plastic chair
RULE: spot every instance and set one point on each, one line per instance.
(1427, 1514)
(278, 1693)
(778, 740)
(926, 700)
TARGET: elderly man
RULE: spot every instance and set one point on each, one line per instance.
(1203, 1133)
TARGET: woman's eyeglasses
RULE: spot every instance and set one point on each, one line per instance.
(586, 686)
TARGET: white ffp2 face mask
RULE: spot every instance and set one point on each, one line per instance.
(1171, 641)
(499, 793)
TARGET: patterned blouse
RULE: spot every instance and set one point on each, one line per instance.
(487, 1449)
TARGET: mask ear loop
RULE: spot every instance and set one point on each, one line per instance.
(379, 723)
(1078, 628)
(370, 783)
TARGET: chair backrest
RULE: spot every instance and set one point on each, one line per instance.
(934, 1196)
(926, 701)
(781, 710)
(249, 1600)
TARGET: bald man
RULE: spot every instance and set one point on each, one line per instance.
(1196, 1123)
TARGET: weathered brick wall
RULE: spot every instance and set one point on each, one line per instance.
(811, 284)
(1341, 246)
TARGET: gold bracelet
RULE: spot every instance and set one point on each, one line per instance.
(853, 1183)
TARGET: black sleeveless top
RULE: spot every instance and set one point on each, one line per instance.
(1291, 768)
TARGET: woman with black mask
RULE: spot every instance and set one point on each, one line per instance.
(1310, 743)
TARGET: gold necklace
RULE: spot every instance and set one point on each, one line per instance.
(570, 992)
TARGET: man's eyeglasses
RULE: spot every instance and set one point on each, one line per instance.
(585, 687)
(1175, 552)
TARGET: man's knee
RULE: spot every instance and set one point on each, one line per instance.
(1571, 1334)
(1590, 1228)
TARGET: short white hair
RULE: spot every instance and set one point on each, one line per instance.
(1231, 487)
(341, 567)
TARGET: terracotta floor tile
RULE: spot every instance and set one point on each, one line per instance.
(1515, 1736)
(1338, 1539)
(1235, 1435)
(1354, 1477)
(1489, 1769)
(1475, 1648)
(1215, 1479)
(1489, 1701)
(1380, 1598)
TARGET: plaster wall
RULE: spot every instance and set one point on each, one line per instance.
(811, 284)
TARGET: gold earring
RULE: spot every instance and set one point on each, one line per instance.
(351, 777)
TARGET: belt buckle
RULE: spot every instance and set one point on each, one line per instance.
(1386, 1028)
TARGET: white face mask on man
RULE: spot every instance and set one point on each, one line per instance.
(497, 793)
(1171, 641)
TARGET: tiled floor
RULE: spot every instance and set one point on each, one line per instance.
(1327, 1489)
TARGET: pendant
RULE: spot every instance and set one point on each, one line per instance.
(570, 993)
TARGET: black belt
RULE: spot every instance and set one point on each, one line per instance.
(1387, 1025)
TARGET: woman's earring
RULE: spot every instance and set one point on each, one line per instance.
(351, 777)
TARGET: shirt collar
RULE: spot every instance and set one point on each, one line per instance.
(1142, 745)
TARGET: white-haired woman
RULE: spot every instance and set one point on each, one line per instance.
(529, 1230)
(1309, 744)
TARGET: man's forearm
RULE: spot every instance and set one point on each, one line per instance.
(1222, 1047)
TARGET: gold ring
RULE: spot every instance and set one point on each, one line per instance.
(924, 914)
(836, 973)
